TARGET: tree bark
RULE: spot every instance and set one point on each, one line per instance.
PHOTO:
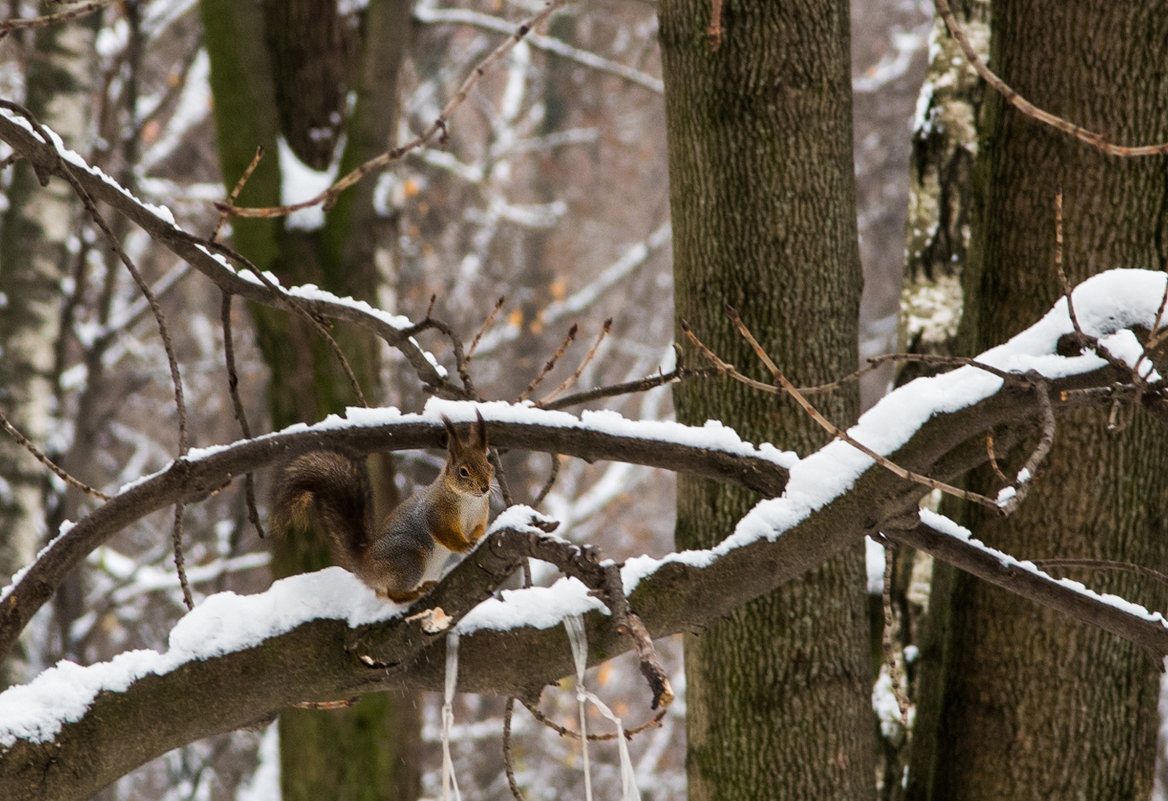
(1025, 704)
(763, 207)
(291, 90)
(34, 257)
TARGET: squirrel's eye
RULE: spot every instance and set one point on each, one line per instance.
(462, 471)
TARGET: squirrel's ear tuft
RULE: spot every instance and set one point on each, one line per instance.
(480, 430)
(452, 440)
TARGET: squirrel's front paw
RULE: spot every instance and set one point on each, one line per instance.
(409, 595)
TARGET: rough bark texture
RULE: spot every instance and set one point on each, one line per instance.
(944, 148)
(371, 750)
(763, 206)
(1028, 704)
(34, 259)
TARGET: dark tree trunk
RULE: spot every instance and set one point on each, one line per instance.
(372, 750)
(763, 207)
(1025, 703)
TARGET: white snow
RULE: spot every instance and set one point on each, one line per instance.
(299, 182)
(950, 528)
(222, 624)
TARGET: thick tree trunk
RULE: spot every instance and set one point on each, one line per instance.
(763, 205)
(1027, 704)
(372, 750)
(34, 256)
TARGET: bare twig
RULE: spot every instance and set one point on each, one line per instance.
(932, 359)
(1101, 564)
(784, 385)
(551, 363)
(888, 637)
(993, 459)
(437, 129)
(243, 179)
(714, 30)
(52, 19)
(58, 471)
(553, 474)
(1096, 140)
(253, 514)
(564, 731)
(487, 323)
(1025, 479)
(179, 563)
(1058, 264)
(574, 377)
(508, 766)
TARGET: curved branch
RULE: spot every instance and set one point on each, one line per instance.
(202, 473)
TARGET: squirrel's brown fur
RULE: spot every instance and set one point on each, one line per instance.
(405, 556)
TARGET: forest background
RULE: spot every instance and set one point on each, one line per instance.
(547, 185)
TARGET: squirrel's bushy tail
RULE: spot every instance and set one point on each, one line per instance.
(333, 488)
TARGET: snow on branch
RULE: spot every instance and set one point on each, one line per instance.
(50, 157)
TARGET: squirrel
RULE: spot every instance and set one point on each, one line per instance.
(403, 558)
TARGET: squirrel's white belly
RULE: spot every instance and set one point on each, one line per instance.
(436, 563)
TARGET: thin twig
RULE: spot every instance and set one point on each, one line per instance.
(993, 459)
(888, 636)
(1101, 564)
(1025, 479)
(551, 363)
(1096, 140)
(574, 377)
(784, 385)
(553, 474)
(487, 323)
(58, 471)
(52, 19)
(1058, 264)
(564, 731)
(179, 562)
(628, 387)
(437, 129)
(508, 766)
(294, 305)
(253, 514)
(251, 167)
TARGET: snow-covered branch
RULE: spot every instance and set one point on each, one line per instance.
(49, 156)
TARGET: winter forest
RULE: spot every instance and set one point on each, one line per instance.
(819, 349)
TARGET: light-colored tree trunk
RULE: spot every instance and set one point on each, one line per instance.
(763, 206)
(1024, 703)
(34, 257)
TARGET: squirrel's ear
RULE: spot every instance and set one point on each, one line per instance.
(480, 430)
(453, 443)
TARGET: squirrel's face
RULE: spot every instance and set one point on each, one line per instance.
(472, 476)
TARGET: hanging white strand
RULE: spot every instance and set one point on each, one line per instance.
(449, 783)
(575, 626)
(629, 791)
